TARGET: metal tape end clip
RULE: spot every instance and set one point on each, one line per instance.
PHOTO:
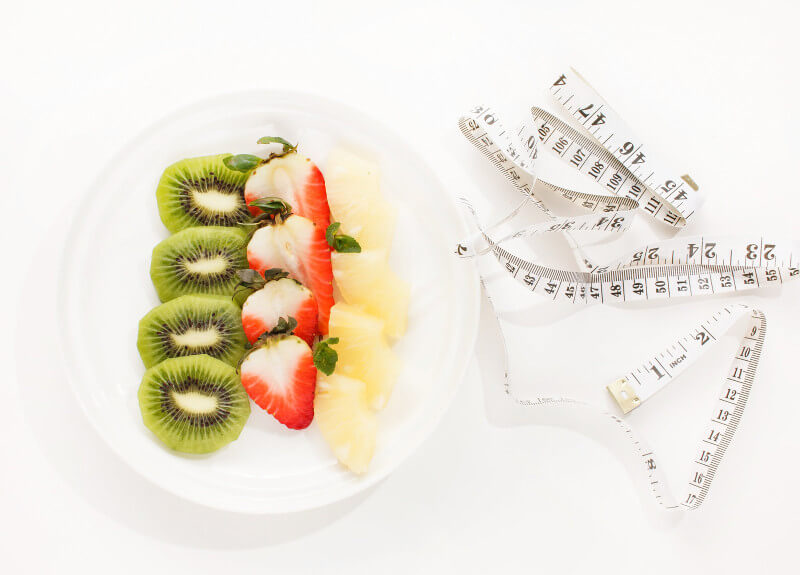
(688, 179)
(624, 395)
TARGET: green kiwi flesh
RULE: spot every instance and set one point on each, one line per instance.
(194, 404)
(201, 192)
(201, 260)
(192, 325)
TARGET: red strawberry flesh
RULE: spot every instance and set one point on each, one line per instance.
(299, 247)
(296, 180)
(280, 377)
(282, 298)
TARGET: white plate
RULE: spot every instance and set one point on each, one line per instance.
(106, 289)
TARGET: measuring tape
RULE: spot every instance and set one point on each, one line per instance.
(607, 152)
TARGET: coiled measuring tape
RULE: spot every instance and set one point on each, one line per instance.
(608, 153)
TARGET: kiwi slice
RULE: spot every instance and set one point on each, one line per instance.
(200, 260)
(192, 325)
(201, 192)
(194, 404)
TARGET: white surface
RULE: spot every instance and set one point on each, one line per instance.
(268, 468)
(81, 79)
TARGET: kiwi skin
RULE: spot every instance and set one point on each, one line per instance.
(192, 312)
(171, 276)
(193, 377)
(186, 181)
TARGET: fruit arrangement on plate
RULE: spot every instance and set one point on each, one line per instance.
(276, 289)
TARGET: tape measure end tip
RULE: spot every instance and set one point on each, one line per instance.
(624, 395)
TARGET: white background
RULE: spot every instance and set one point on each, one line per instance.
(711, 85)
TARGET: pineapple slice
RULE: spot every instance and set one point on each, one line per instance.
(346, 421)
(363, 352)
(354, 196)
(356, 274)
(366, 279)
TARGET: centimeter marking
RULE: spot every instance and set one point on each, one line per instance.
(596, 162)
(484, 129)
(654, 375)
(727, 412)
(577, 97)
(629, 284)
(761, 253)
(502, 153)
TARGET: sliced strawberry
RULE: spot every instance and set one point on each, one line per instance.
(294, 179)
(279, 375)
(283, 297)
(299, 247)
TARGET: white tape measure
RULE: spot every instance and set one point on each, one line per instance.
(604, 149)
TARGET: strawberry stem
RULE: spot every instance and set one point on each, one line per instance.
(284, 326)
(271, 206)
(273, 274)
(287, 146)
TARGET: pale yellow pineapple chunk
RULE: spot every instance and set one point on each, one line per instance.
(363, 352)
(365, 279)
(354, 196)
(347, 423)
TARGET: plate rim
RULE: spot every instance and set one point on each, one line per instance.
(471, 296)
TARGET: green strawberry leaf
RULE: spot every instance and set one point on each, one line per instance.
(249, 281)
(240, 294)
(250, 277)
(284, 325)
(325, 357)
(272, 206)
(330, 233)
(241, 162)
(275, 274)
(347, 245)
(341, 242)
(287, 146)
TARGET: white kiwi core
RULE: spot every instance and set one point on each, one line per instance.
(208, 266)
(216, 201)
(195, 402)
(196, 337)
